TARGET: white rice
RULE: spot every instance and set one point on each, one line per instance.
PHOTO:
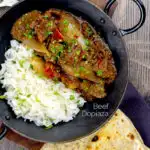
(34, 98)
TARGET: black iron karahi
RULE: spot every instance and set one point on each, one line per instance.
(82, 125)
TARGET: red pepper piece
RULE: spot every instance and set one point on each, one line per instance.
(57, 35)
(75, 36)
(99, 63)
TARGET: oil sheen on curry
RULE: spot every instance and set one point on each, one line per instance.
(67, 49)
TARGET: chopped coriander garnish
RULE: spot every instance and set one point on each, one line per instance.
(37, 99)
(61, 48)
(56, 93)
(27, 26)
(66, 22)
(84, 81)
(89, 31)
(78, 52)
(102, 89)
(99, 72)
(49, 127)
(31, 66)
(23, 76)
(77, 74)
(28, 48)
(78, 102)
(84, 57)
(73, 41)
(86, 89)
(46, 16)
(21, 63)
(65, 30)
(14, 62)
(41, 76)
(2, 97)
(72, 97)
(65, 44)
(86, 48)
(29, 95)
(53, 49)
(50, 24)
(25, 34)
(48, 33)
(87, 42)
(30, 36)
(18, 70)
(82, 68)
(69, 50)
(55, 79)
(54, 58)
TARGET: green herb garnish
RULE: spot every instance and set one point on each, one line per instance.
(69, 49)
(82, 68)
(84, 81)
(14, 62)
(49, 127)
(37, 99)
(50, 24)
(46, 16)
(89, 31)
(31, 66)
(99, 72)
(25, 34)
(23, 76)
(18, 70)
(87, 43)
(73, 41)
(61, 48)
(2, 97)
(53, 49)
(30, 36)
(84, 57)
(56, 93)
(78, 52)
(78, 102)
(27, 26)
(65, 30)
(29, 95)
(86, 89)
(55, 79)
(72, 97)
(66, 22)
(21, 63)
(48, 33)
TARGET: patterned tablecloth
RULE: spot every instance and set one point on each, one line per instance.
(126, 15)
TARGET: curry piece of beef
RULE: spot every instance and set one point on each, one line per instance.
(21, 29)
(87, 30)
(45, 25)
(70, 81)
(104, 62)
(92, 90)
(99, 56)
(80, 71)
(88, 89)
(56, 49)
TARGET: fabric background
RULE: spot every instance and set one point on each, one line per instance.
(138, 45)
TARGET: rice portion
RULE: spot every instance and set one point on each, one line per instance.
(33, 97)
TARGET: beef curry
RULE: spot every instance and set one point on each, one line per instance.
(67, 49)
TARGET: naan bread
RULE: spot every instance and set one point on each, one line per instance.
(118, 134)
